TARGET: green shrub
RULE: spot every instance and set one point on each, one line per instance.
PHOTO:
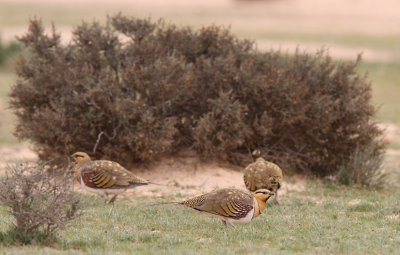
(134, 90)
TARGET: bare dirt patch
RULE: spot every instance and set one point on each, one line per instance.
(391, 132)
(185, 175)
(12, 153)
(189, 176)
(393, 216)
(354, 201)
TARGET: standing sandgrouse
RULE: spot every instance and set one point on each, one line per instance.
(231, 205)
(104, 177)
(262, 174)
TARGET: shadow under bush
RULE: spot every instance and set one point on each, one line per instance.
(134, 90)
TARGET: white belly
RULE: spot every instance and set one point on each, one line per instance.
(246, 219)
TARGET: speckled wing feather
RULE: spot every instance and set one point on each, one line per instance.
(108, 174)
(196, 201)
(226, 202)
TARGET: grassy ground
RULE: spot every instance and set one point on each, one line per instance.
(322, 219)
(385, 80)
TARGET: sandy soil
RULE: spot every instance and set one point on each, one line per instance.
(190, 176)
(184, 176)
(12, 153)
(391, 132)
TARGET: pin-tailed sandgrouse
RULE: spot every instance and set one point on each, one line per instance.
(231, 205)
(104, 177)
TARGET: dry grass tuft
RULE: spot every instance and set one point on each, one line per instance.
(40, 203)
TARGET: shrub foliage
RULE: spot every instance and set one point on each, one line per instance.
(134, 90)
(40, 204)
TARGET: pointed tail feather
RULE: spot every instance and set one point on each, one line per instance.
(164, 203)
(158, 184)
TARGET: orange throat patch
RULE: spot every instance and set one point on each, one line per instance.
(259, 207)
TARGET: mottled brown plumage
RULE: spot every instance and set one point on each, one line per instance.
(104, 177)
(263, 175)
(231, 205)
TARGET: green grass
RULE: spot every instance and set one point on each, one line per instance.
(319, 220)
(385, 79)
(8, 50)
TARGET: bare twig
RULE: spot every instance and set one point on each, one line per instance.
(97, 141)
(204, 182)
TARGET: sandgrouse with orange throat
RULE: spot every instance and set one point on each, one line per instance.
(230, 205)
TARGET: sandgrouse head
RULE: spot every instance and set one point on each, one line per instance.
(263, 194)
(80, 157)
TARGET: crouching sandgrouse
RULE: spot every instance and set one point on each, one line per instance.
(262, 174)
